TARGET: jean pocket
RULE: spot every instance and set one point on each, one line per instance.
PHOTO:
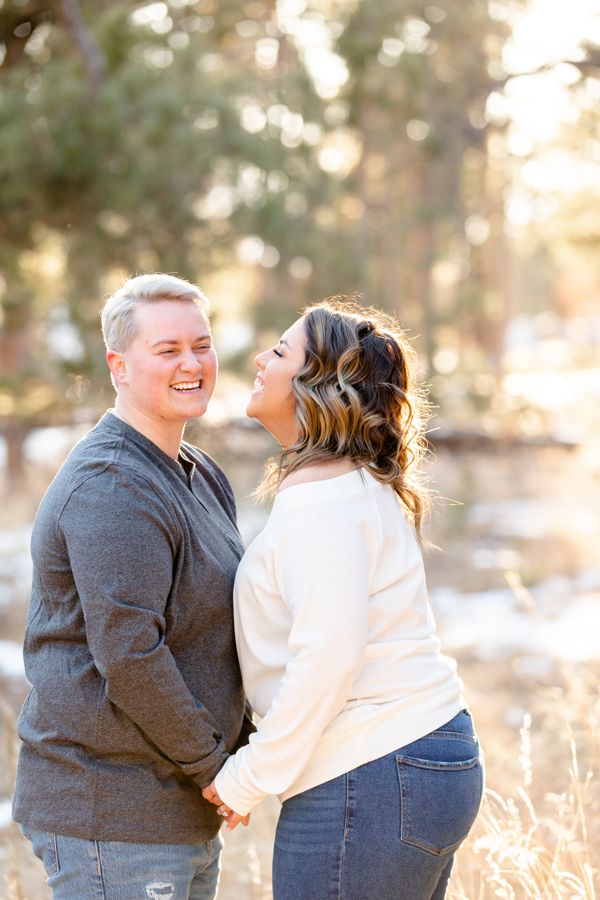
(440, 801)
(45, 848)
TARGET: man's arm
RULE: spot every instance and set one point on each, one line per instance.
(248, 728)
(122, 546)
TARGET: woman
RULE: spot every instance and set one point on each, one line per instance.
(365, 736)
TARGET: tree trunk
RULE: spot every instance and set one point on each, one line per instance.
(89, 49)
(15, 434)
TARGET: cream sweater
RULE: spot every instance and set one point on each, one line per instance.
(336, 640)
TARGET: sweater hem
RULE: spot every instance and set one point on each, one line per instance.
(84, 832)
(355, 737)
(330, 761)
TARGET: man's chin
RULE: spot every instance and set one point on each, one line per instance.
(195, 411)
(198, 407)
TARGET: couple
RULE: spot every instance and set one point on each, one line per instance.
(148, 625)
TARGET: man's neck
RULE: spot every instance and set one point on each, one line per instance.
(167, 438)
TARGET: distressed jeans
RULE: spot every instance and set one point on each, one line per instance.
(111, 870)
(387, 830)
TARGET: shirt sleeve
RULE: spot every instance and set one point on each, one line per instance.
(248, 728)
(321, 557)
(122, 550)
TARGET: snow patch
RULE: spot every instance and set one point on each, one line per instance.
(11, 660)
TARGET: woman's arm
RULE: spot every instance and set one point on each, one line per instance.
(322, 557)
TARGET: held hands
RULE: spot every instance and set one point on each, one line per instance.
(232, 818)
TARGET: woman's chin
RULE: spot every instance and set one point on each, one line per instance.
(252, 407)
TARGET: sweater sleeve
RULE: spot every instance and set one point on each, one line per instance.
(322, 555)
(122, 554)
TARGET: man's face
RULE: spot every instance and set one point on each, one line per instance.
(169, 371)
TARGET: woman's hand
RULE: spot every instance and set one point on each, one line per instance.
(232, 818)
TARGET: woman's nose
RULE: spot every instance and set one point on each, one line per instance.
(260, 360)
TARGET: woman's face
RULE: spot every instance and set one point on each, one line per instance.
(272, 401)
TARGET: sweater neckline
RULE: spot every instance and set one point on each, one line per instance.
(315, 489)
(111, 421)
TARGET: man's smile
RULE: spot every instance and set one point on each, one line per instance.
(186, 386)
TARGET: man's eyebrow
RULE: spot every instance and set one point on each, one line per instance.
(202, 337)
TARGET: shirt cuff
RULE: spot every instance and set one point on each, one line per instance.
(237, 798)
(204, 770)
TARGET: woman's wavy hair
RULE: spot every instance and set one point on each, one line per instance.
(357, 398)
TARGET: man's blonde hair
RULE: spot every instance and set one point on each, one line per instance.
(118, 321)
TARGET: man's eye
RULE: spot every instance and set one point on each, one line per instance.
(277, 353)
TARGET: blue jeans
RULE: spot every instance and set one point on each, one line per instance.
(387, 830)
(111, 870)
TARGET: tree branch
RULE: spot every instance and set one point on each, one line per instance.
(91, 52)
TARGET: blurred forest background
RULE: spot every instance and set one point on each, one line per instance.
(443, 160)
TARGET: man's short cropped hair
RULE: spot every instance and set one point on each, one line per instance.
(118, 321)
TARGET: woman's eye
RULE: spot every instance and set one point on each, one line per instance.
(277, 353)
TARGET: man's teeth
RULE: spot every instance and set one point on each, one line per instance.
(258, 385)
(186, 387)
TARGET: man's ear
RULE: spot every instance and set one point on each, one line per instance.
(117, 366)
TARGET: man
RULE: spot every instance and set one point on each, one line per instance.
(137, 697)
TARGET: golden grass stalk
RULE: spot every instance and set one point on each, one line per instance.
(516, 854)
(12, 879)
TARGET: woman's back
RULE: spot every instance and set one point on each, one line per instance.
(335, 587)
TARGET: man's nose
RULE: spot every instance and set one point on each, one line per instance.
(190, 362)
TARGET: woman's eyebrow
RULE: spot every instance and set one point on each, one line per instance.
(283, 341)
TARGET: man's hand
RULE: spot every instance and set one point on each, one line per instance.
(232, 818)
(210, 793)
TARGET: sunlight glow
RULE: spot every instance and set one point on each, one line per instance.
(545, 42)
(314, 38)
(546, 33)
(266, 53)
(219, 203)
(152, 12)
(250, 249)
(340, 152)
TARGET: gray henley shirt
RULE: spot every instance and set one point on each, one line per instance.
(137, 697)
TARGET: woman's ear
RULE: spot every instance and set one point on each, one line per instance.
(117, 365)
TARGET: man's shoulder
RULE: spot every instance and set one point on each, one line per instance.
(99, 461)
(94, 454)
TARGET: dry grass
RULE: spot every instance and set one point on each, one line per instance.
(537, 835)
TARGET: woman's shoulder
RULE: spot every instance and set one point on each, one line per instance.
(318, 471)
(330, 506)
(329, 494)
